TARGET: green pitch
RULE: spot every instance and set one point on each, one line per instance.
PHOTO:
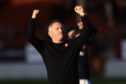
(95, 81)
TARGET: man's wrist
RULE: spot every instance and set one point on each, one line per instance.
(33, 16)
(82, 14)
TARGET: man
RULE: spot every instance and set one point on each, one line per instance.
(60, 55)
(83, 63)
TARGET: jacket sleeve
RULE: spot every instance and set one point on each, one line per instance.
(35, 41)
(85, 34)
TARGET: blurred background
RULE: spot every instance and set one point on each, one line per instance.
(20, 63)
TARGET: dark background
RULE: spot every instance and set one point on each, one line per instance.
(107, 15)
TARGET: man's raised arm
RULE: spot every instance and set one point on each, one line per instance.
(36, 42)
(88, 31)
(32, 25)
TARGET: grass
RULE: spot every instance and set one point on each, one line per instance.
(23, 82)
(94, 80)
(108, 81)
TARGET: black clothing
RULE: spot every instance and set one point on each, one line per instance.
(83, 62)
(83, 65)
(60, 60)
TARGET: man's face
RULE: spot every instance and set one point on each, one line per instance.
(80, 25)
(55, 31)
(71, 34)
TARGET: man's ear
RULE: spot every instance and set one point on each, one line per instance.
(49, 31)
(50, 34)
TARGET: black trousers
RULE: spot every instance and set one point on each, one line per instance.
(83, 65)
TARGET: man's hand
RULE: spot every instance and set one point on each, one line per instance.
(35, 13)
(79, 10)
